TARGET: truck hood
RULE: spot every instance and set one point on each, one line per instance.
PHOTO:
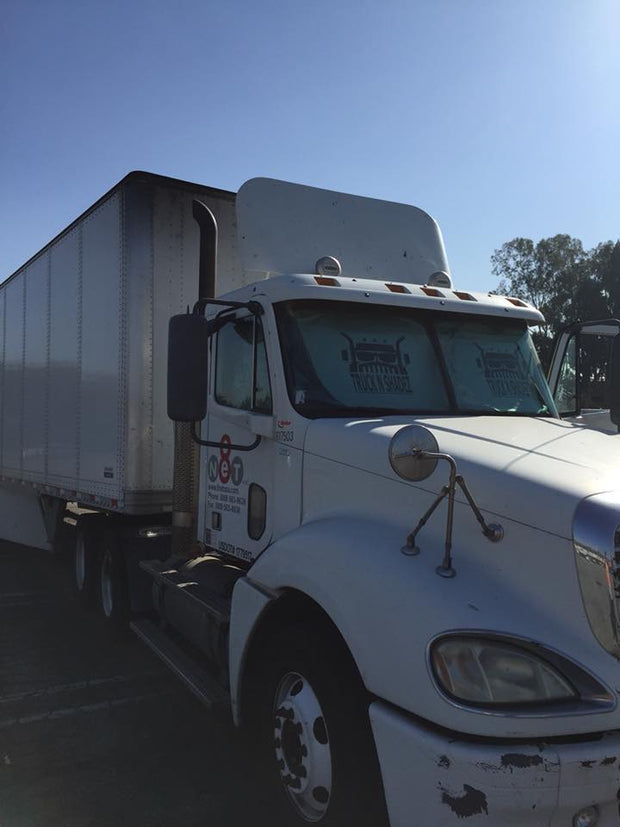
(532, 470)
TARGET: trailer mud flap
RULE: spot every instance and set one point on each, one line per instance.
(21, 518)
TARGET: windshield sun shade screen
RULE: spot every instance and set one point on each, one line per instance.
(347, 358)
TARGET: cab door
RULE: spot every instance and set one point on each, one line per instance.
(580, 373)
(239, 484)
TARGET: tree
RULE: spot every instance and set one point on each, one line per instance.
(562, 279)
(606, 265)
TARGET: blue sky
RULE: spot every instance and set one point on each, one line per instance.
(499, 117)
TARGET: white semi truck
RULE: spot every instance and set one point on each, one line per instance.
(368, 533)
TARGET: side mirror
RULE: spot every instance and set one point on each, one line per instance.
(188, 339)
(407, 452)
(614, 382)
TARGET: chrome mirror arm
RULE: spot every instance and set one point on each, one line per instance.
(491, 531)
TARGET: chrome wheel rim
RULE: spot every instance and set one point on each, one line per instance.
(302, 747)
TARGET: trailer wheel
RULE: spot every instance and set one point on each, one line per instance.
(113, 596)
(313, 731)
(85, 558)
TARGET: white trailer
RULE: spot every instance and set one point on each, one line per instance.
(383, 552)
(83, 340)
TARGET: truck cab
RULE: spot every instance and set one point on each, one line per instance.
(354, 350)
(384, 470)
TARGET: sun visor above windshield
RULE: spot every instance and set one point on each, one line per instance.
(287, 228)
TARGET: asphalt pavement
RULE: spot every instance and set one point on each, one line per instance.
(97, 733)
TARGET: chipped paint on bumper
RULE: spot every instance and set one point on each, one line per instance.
(430, 778)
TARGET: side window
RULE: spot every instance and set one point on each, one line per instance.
(594, 364)
(241, 371)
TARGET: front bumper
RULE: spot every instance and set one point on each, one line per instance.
(431, 778)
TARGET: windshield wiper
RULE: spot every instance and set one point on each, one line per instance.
(544, 408)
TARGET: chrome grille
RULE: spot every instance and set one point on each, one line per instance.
(596, 540)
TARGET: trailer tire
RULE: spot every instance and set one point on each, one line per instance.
(312, 732)
(113, 593)
(85, 561)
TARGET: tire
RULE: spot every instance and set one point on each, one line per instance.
(112, 586)
(313, 733)
(85, 561)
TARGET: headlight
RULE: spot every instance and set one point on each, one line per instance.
(488, 672)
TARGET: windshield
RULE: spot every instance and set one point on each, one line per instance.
(353, 359)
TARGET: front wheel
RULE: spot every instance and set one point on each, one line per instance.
(314, 733)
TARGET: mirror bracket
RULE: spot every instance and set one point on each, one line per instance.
(492, 531)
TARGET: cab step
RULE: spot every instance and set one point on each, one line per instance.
(198, 679)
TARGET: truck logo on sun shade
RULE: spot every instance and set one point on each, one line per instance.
(505, 373)
(377, 366)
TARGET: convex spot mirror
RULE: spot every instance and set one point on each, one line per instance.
(403, 457)
(188, 338)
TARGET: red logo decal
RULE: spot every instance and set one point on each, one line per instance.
(225, 452)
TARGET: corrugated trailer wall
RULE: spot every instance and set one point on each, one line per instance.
(83, 343)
